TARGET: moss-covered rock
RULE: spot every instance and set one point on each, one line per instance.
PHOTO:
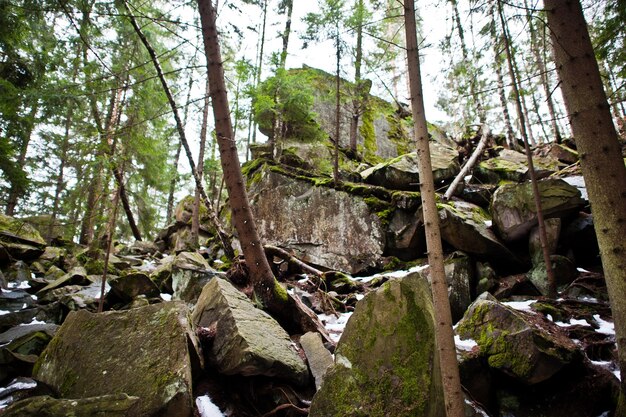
(527, 348)
(133, 284)
(19, 240)
(514, 211)
(143, 352)
(402, 173)
(386, 362)
(247, 340)
(512, 166)
(323, 226)
(467, 228)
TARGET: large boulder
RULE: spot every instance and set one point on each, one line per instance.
(386, 362)
(467, 227)
(511, 165)
(514, 211)
(245, 340)
(402, 173)
(522, 345)
(322, 226)
(145, 352)
(19, 240)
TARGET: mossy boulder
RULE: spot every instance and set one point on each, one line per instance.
(133, 284)
(19, 240)
(524, 346)
(467, 228)
(514, 211)
(512, 166)
(322, 226)
(402, 173)
(386, 362)
(145, 352)
(563, 268)
(118, 405)
(247, 341)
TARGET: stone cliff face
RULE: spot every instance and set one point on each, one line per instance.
(321, 225)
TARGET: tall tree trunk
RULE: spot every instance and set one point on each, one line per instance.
(444, 334)
(15, 192)
(512, 73)
(259, 69)
(223, 236)
(284, 307)
(529, 158)
(337, 103)
(359, 98)
(286, 32)
(495, 39)
(95, 187)
(195, 218)
(179, 145)
(535, 47)
(600, 155)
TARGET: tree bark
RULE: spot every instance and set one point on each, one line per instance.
(174, 180)
(259, 69)
(195, 217)
(541, 67)
(444, 334)
(359, 94)
(223, 236)
(600, 155)
(337, 103)
(482, 144)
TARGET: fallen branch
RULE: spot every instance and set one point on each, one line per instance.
(281, 253)
(469, 164)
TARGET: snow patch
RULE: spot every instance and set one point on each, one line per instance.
(579, 182)
(335, 325)
(464, 344)
(606, 327)
(572, 322)
(206, 408)
(166, 297)
(3, 312)
(520, 305)
(393, 274)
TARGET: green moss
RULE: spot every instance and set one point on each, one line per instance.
(369, 135)
(398, 132)
(280, 292)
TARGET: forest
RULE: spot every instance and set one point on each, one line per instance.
(235, 180)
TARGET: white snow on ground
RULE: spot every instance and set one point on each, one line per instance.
(147, 266)
(335, 325)
(166, 297)
(17, 386)
(520, 305)
(579, 182)
(464, 344)
(206, 408)
(611, 366)
(572, 322)
(3, 312)
(393, 274)
(605, 326)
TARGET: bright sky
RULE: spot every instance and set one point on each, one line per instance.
(322, 55)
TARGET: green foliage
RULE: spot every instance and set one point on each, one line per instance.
(288, 98)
